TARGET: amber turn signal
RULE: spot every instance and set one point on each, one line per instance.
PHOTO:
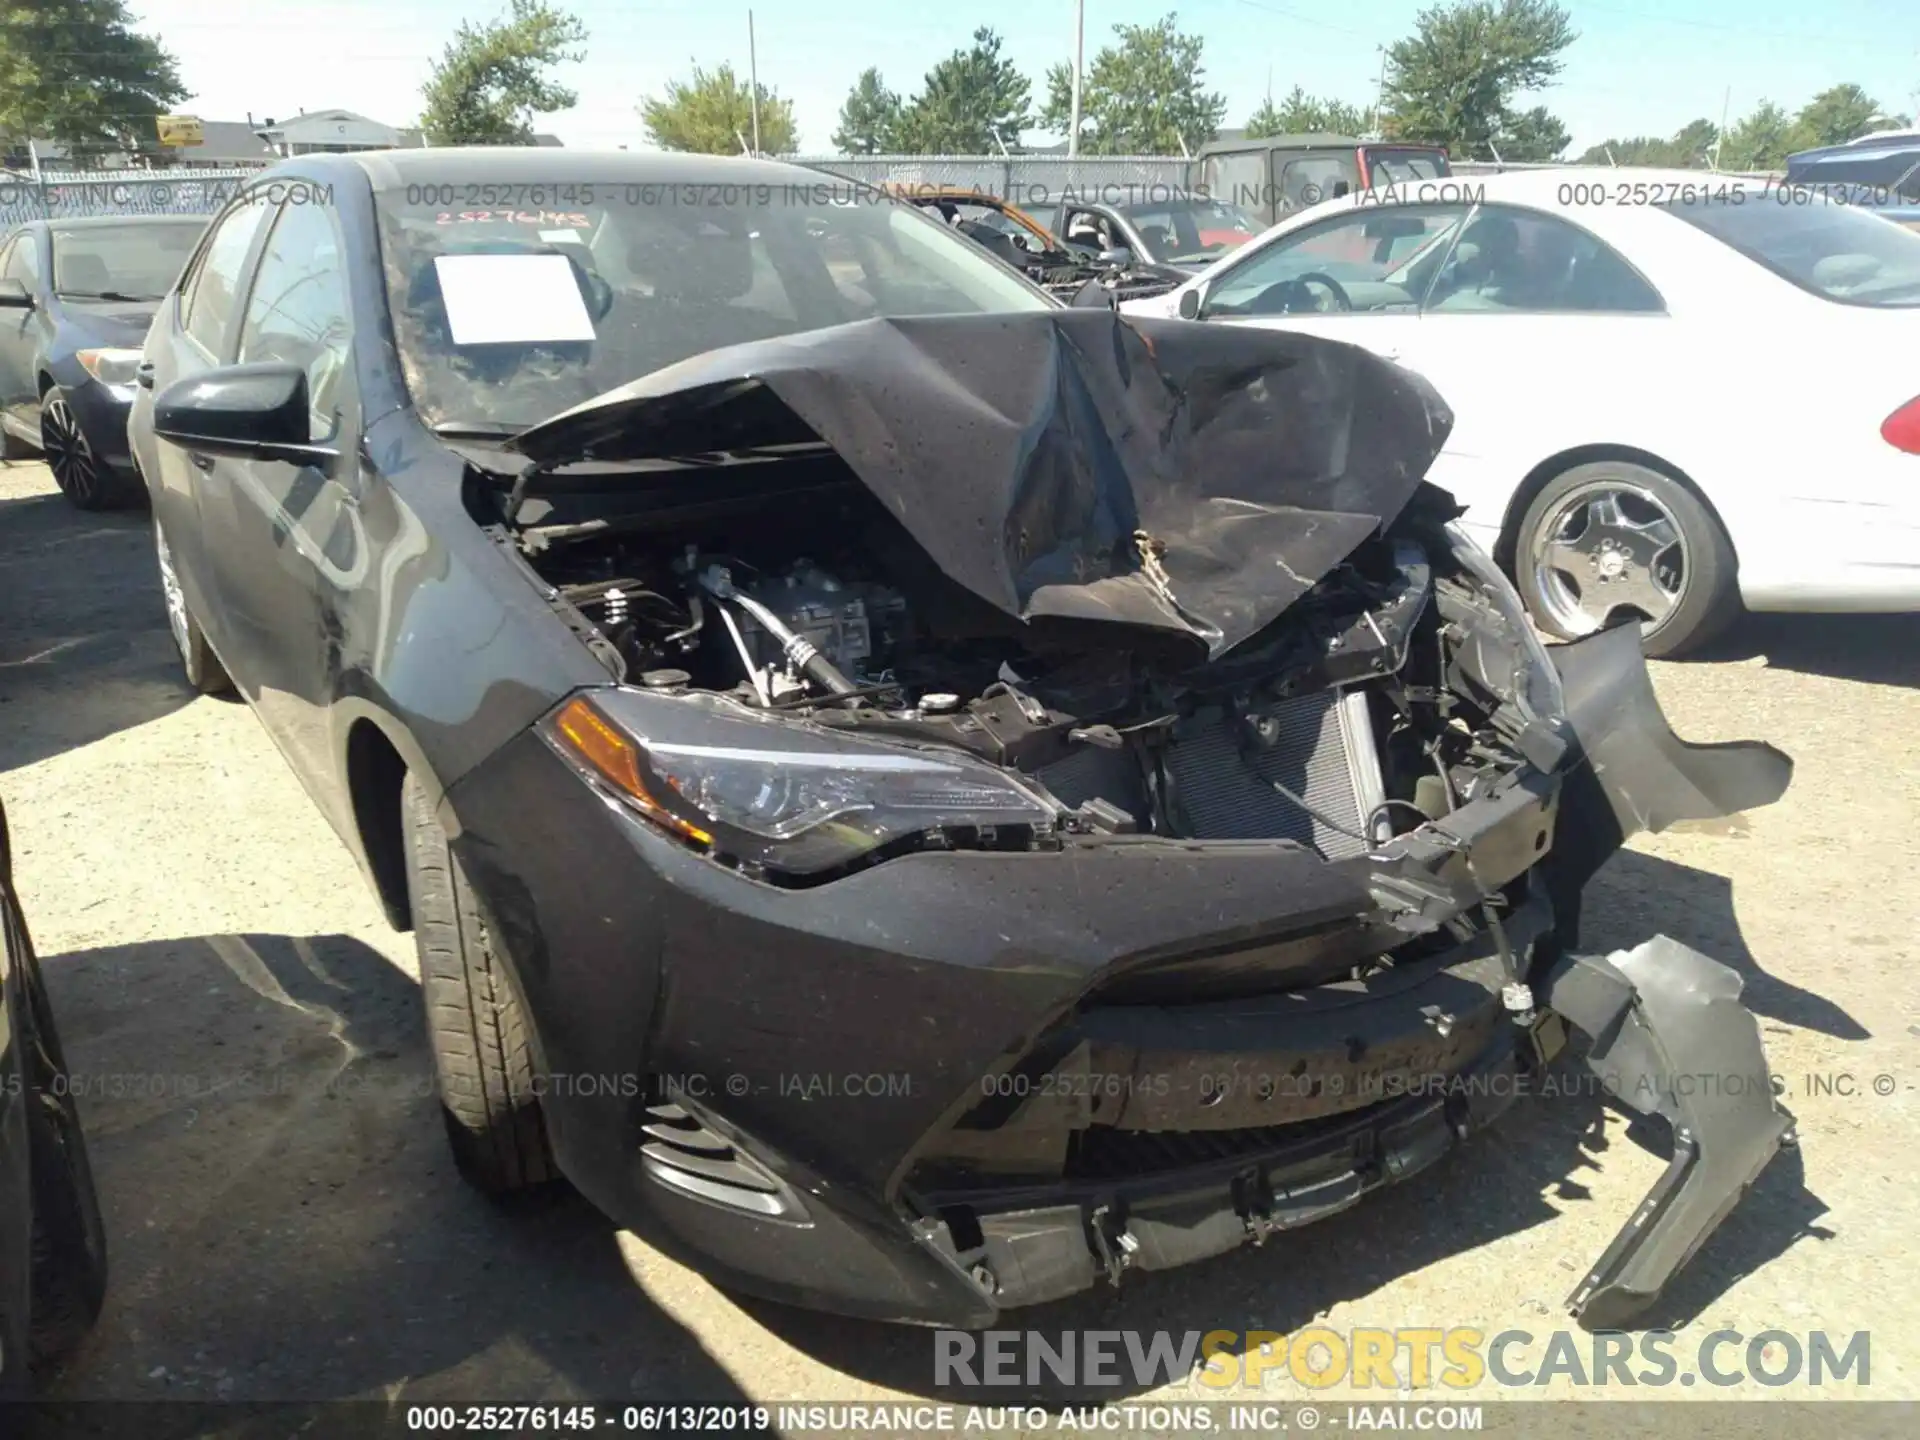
(605, 750)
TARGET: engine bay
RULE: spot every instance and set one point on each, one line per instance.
(1364, 710)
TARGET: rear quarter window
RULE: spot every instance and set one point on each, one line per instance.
(1839, 252)
(1238, 179)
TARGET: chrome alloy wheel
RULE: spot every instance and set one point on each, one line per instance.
(170, 588)
(1608, 548)
(67, 453)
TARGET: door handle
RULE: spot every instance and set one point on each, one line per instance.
(144, 375)
(200, 462)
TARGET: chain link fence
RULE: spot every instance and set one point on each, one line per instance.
(63, 195)
(1028, 181)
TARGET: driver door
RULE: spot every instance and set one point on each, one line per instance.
(284, 541)
(1358, 277)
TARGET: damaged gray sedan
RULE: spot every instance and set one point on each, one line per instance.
(1092, 736)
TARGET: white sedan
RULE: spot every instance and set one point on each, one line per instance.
(1674, 393)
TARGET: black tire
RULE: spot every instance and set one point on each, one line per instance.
(69, 1262)
(87, 483)
(1707, 598)
(481, 1052)
(201, 667)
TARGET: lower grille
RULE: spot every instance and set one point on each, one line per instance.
(1103, 1153)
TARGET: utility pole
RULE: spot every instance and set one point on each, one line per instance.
(1079, 57)
(1379, 94)
(753, 81)
(1726, 102)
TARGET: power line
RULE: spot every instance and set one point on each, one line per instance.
(1295, 15)
(1798, 37)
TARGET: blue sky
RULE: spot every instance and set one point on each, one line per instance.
(1639, 66)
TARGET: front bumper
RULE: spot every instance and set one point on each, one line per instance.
(102, 412)
(958, 1083)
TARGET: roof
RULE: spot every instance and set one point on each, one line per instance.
(535, 165)
(1313, 141)
(110, 222)
(1881, 137)
(1550, 178)
(1893, 148)
(1544, 185)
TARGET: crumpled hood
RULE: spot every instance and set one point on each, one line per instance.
(1068, 465)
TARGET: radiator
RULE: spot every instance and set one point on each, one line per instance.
(1323, 750)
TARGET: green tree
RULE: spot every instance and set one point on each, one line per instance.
(1453, 81)
(1690, 149)
(1833, 117)
(1535, 135)
(967, 100)
(491, 81)
(1761, 141)
(1303, 114)
(1141, 96)
(1637, 150)
(868, 118)
(75, 72)
(1693, 145)
(713, 112)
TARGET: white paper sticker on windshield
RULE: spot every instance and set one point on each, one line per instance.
(512, 299)
(562, 237)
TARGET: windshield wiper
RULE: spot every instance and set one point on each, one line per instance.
(106, 295)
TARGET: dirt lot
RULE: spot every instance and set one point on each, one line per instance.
(285, 1222)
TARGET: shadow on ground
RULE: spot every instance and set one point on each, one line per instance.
(1871, 649)
(1635, 895)
(1514, 1179)
(284, 1220)
(84, 646)
(286, 1225)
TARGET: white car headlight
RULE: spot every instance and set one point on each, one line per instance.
(776, 793)
(110, 367)
(1535, 683)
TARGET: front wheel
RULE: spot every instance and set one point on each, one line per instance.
(202, 667)
(87, 484)
(481, 1053)
(1612, 543)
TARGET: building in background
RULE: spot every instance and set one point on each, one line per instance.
(248, 144)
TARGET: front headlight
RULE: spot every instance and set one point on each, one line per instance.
(1535, 680)
(779, 794)
(110, 367)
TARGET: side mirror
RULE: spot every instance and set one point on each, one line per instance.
(1191, 302)
(247, 412)
(15, 295)
(1119, 257)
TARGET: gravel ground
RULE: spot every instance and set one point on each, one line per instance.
(286, 1224)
